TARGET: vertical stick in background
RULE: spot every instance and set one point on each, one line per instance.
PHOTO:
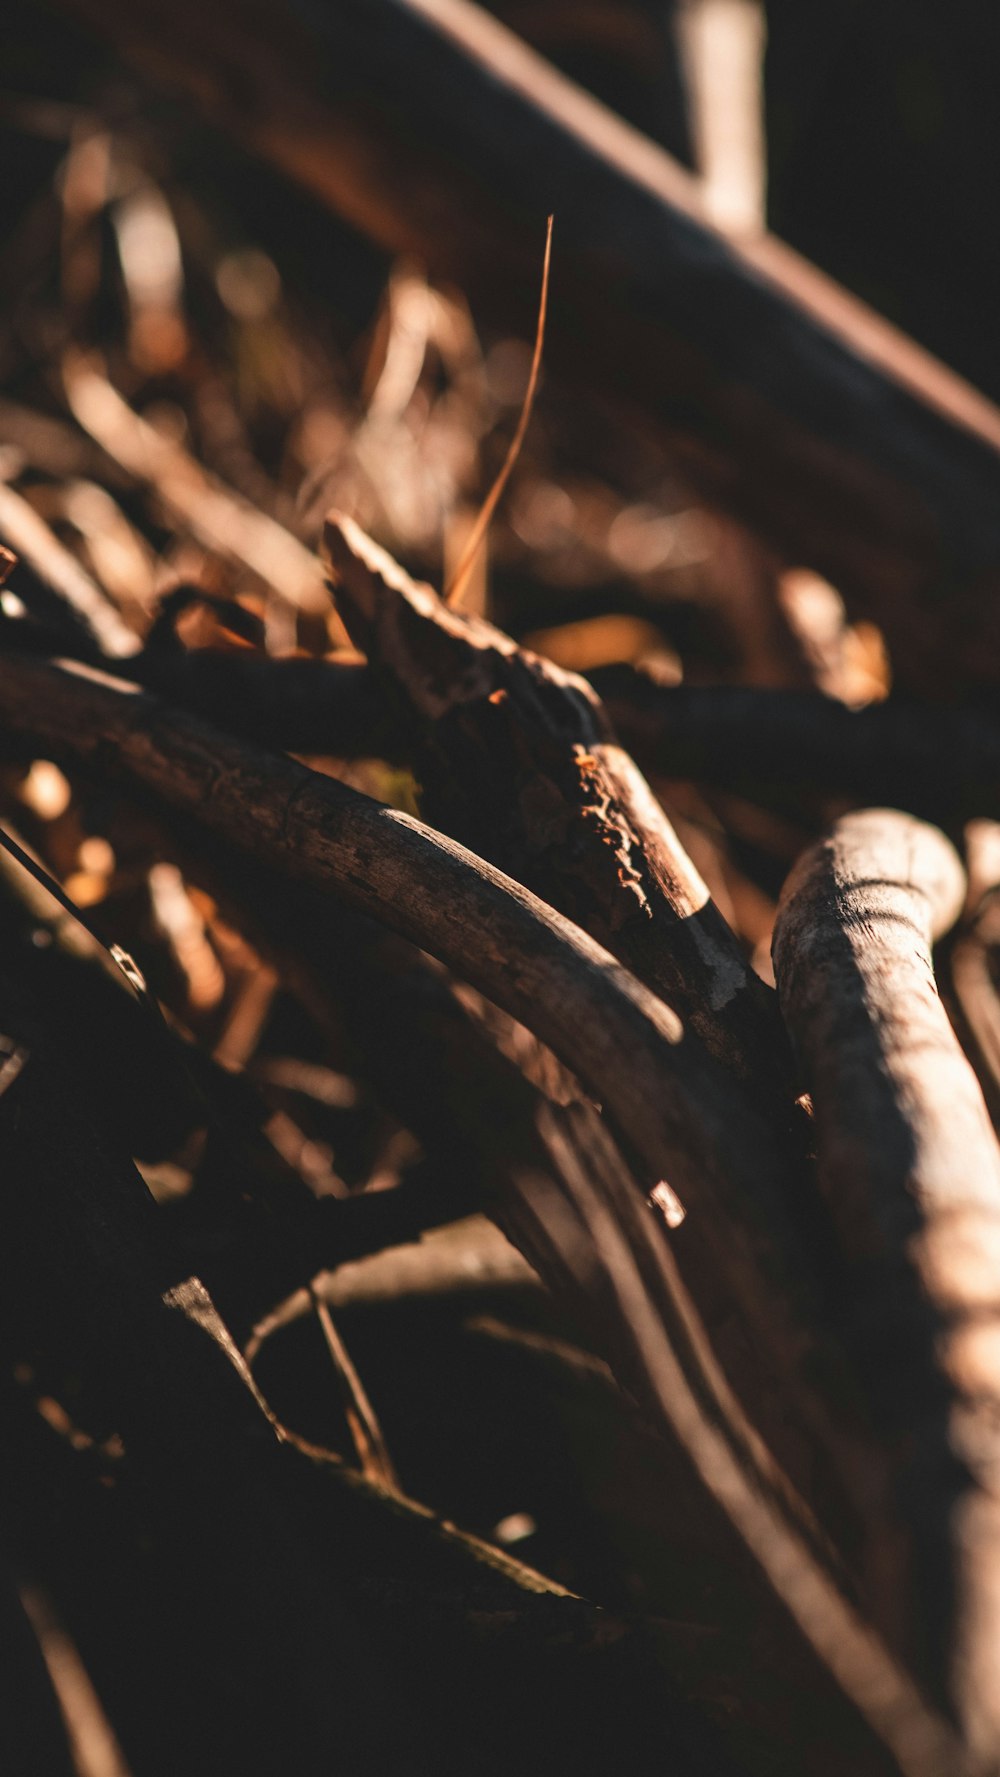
(722, 52)
(910, 1168)
(722, 42)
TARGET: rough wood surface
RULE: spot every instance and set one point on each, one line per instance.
(910, 1170)
(439, 133)
(683, 1117)
(973, 962)
(516, 758)
(548, 1176)
(414, 1038)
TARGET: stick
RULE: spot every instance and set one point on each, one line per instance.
(517, 760)
(685, 1118)
(435, 130)
(220, 519)
(59, 570)
(910, 1169)
(937, 762)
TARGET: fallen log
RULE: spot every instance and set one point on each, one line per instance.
(435, 130)
(910, 1170)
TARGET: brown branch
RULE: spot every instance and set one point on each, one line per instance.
(559, 1247)
(331, 1600)
(31, 538)
(516, 759)
(432, 128)
(910, 1169)
(219, 518)
(938, 762)
(743, 1238)
(973, 962)
(682, 1114)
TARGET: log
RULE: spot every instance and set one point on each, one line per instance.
(435, 130)
(910, 1169)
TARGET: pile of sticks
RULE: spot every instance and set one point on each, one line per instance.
(768, 1199)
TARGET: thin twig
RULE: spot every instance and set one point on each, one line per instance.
(362, 1420)
(460, 578)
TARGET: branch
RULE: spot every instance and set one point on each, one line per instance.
(686, 1119)
(333, 1600)
(250, 797)
(910, 1169)
(937, 762)
(435, 130)
(58, 569)
(516, 758)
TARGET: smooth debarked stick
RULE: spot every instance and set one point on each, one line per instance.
(910, 1171)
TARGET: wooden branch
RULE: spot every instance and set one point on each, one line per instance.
(331, 1598)
(910, 1169)
(220, 518)
(429, 1058)
(431, 127)
(90, 608)
(937, 762)
(685, 1118)
(517, 760)
(725, 1448)
(973, 962)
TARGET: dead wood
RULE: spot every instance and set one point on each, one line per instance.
(910, 1170)
(88, 606)
(305, 1576)
(515, 758)
(685, 1119)
(973, 962)
(438, 132)
(942, 763)
(546, 1181)
(560, 1253)
(771, 746)
(336, 839)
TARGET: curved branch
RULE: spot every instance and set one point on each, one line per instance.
(910, 1168)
